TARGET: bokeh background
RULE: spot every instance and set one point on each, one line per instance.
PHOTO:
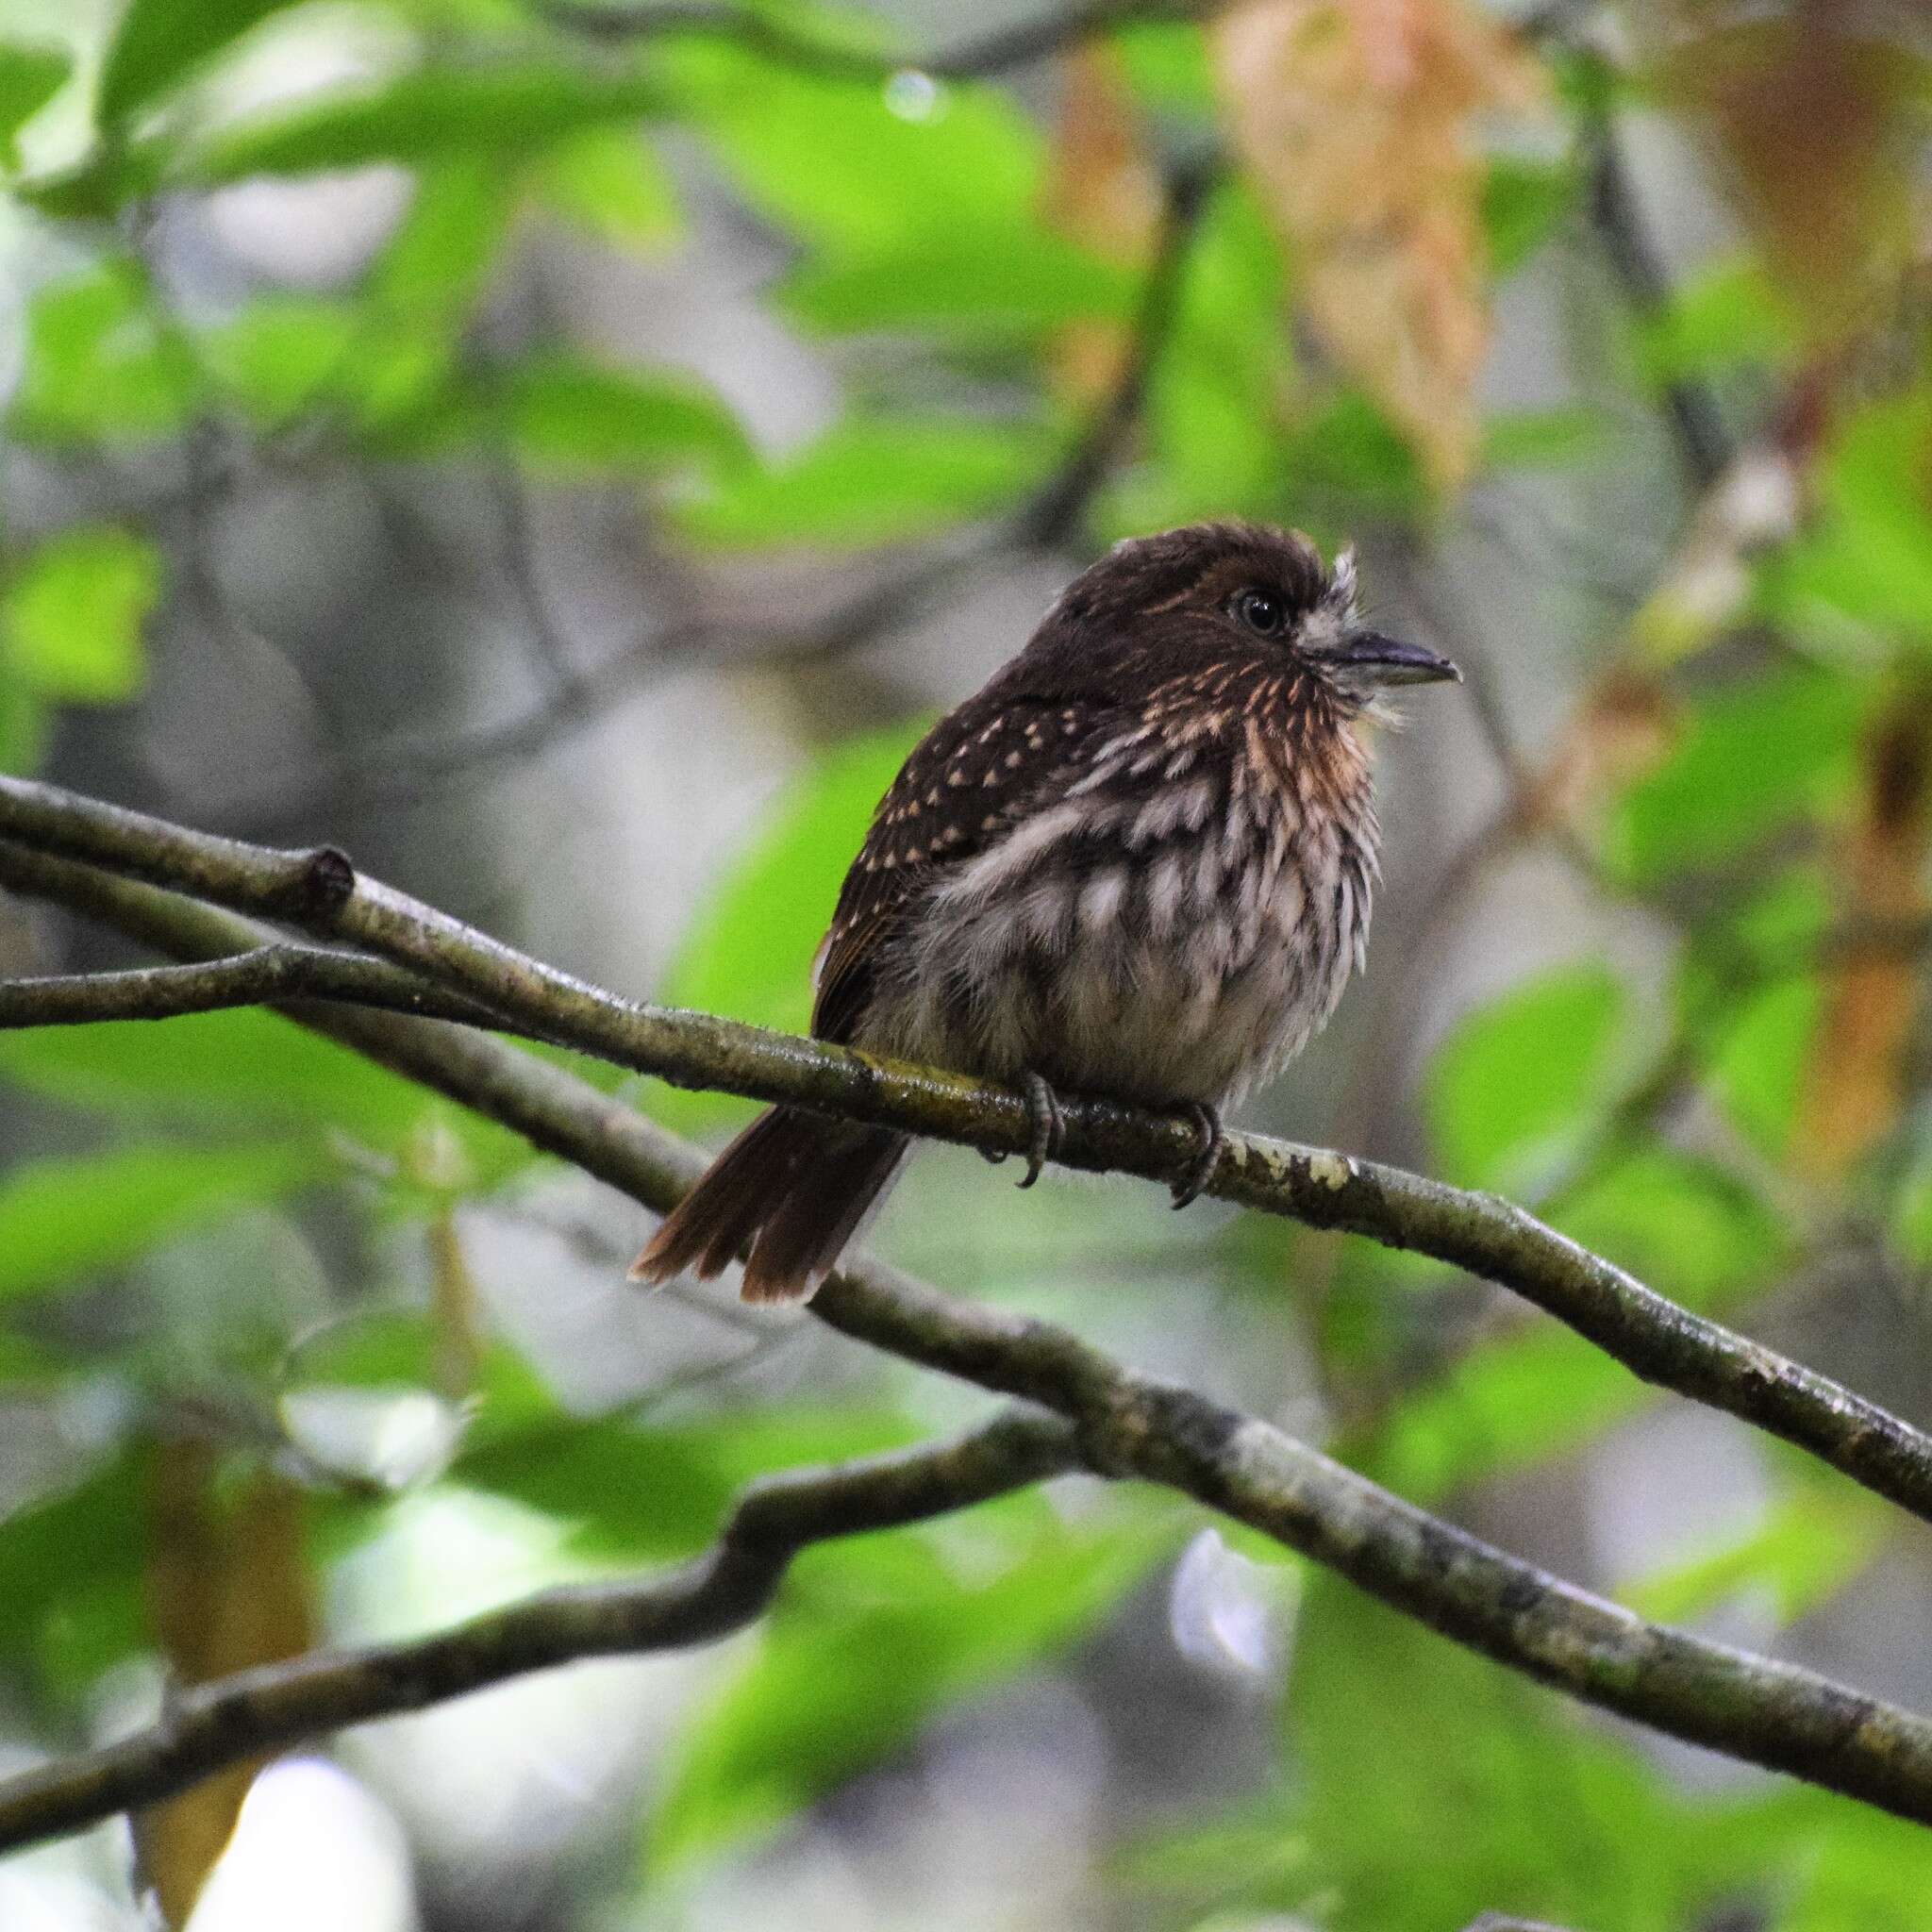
(565, 456)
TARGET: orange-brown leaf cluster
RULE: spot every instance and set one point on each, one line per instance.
(1102, 190)
(1359, 121)
(1857, 1077)
(1817, 120)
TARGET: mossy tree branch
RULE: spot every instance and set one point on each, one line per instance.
(321, 892)
(1118, 1423)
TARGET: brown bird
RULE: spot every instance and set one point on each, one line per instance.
(1137, 863)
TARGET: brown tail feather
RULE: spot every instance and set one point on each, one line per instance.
(793, 1188)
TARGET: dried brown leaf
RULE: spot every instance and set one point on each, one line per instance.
(455, 1308)
(1624, 725)
(1857, 1077)
(1103, 190)
(1358, 119)
(227, 1587)
(1817, 119)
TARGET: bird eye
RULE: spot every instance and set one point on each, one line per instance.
(1261, 610)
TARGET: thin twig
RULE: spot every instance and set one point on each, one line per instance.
(997, 51)
(265, 975)
(1058, 505)
(215, 1725)
(1704, 445)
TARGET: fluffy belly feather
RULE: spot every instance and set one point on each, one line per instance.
(1187, 970)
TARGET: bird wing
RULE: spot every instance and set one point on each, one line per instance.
(974, 775)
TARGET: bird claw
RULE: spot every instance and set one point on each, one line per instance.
(1049, 1126)
(1208, 1126)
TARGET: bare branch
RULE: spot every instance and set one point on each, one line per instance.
(1057, 506)
(1129, 1425)
(993, 52)
(1488, 1237)
(215, 1725)
(262, 977)
(1704, 445)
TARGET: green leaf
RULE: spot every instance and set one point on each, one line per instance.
(1681, 1225)
(843, 163)
(245, 1068)
(1436, 1786)
(631, 1493)
(1864, 564)
(70, 618)
(749, 952)
(570, 414)
(1510, 1404)
(1910, 1212)
(1515, 1083)
(63, 1220)
(611, 181)
(280, 353)
(1215, 417)
(95, 366)
(1350, 453)
(991, 276)
(1165, 62)
(70, 1571)
(1252, 1851)
(420, 298)
(367, 1395)
(25, 725)
(100, 185)
(1911, 1215)
(1853, 1869)
(1524, 203)
(1752, 758)
(403, 1348)
(1715, 320)
(445, 249)
(876, 479)
(1423, 1797)
(1763, 1056)
(919, 1619)
(38, 1366)
(1543, 439)
(161, 42)
(429, 115)
(1810, 1545)
(31, 77)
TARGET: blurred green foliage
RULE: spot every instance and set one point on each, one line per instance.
(1525, 1071)
(749, 953)
(1417, 1786)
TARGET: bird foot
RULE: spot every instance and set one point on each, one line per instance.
(1049, 1126)
(1208, 1126)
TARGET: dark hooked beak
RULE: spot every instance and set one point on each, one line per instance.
(1372, 657)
